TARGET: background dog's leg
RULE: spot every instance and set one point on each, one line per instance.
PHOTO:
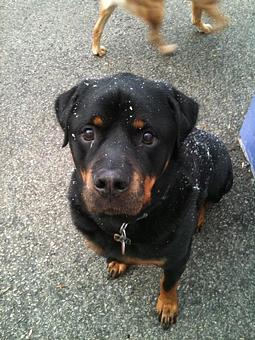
(197, 21)
(220, 20)
(154, 18)
(212, 10)
(104, 15)
(156, 39)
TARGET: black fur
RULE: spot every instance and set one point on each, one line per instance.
(190, 167)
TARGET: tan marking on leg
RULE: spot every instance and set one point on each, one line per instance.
(144, 262)
(201, 218)
(167, 305)
(115, 269)
(104, 15)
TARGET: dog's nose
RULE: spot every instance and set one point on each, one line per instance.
(111, 183)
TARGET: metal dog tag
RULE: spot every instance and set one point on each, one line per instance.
(122, 237)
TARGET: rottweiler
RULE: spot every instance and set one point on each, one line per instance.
(152, 13)
(143, 174)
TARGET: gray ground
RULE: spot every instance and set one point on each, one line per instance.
(51, 286)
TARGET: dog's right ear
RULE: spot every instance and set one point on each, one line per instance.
(63, 107)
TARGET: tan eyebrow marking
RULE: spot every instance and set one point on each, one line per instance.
(138, 124)
(97, 121)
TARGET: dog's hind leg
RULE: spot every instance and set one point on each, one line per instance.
(197, 21)
(212, 10)
(104, 15)
(154, 19)
(220, 20)
(157, 40)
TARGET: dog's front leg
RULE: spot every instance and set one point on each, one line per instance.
(197, 19)
(104, 15)
(167, 304)
(154, 18)
(156, 39)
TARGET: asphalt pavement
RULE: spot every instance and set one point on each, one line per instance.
(51, 286)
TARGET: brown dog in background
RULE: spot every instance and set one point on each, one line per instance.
(152, 12)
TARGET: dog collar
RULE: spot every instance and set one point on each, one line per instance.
(122, 238)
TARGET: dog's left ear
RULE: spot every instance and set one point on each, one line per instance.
(185, 112)
(63, 107)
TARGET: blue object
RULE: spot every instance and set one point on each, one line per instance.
(247, 135)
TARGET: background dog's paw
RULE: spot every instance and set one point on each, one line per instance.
(115, 269)
(204, 28)
(100, 52)
(168, 49)
(219, 25)
(167, 311)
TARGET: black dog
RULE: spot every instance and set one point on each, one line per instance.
(143, 174)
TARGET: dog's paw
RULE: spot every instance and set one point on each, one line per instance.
(167, 310)
(167, 49)
(115, 269)
(204, 28)
(219, 25)
(100, 52)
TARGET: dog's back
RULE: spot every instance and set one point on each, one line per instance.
(210, 162)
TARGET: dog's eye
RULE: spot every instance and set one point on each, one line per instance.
(88, 134)
(148, 138)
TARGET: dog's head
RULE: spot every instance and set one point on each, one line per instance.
(123, 132)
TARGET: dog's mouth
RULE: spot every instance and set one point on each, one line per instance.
(128, 203)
